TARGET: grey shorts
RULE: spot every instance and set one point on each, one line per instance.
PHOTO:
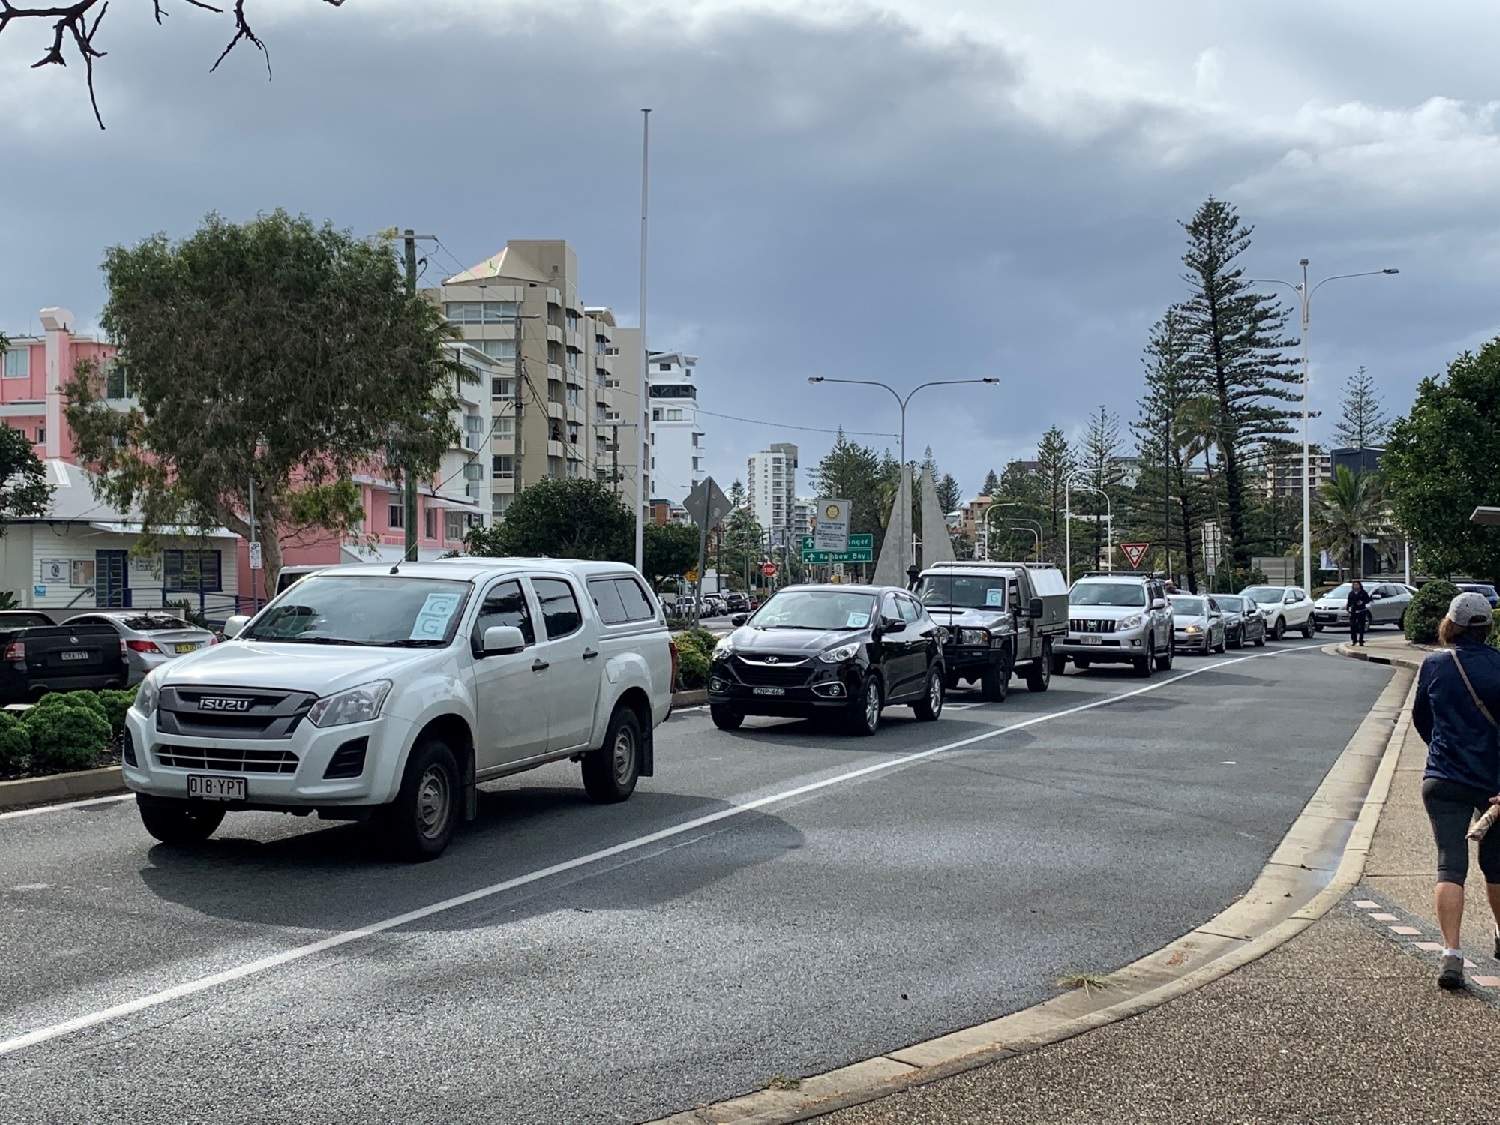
(1451, 808)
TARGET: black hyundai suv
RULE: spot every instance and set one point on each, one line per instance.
(844, 651)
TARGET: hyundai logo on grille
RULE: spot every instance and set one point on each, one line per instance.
(223, 703)
(773, 660)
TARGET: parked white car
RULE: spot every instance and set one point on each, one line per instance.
(1284, 607)
(386, 693)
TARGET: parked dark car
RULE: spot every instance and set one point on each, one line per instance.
(838, 651)
(1244, 624)
(1482, 588)
(737, 603)
(38, 655)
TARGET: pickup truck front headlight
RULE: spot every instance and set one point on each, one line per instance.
(979, 638)
(840, 654)
(357, 705)
(146, 697)
(1125, 624)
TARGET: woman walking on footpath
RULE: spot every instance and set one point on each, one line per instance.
(1457, 700)
(1358, 605)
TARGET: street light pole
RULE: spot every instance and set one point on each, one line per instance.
(1109, 556)
(903, 497)
(1304, 298)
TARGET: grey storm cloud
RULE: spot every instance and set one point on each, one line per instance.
(837, 192)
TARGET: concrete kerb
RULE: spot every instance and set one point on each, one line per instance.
(1319, 860)
(60, 787)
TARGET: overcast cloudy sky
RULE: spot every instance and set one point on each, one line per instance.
(899, 190)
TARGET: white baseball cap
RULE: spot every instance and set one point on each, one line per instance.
(1470, 609)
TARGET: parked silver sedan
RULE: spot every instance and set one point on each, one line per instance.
(152, 637)
(1197, 624)
(1244, 623)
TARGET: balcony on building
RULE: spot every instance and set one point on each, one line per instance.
(555, 371)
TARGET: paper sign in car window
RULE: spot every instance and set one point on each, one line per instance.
(994, 596)
(856, 621)
(432, 620)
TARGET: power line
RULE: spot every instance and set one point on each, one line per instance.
(789, 426)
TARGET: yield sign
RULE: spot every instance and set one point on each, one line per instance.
(1135, 552)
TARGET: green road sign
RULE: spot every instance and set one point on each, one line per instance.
(861, 550)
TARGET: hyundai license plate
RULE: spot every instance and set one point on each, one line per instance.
(770, 691)
(1093, 640)
(71, 656)
(210, 788)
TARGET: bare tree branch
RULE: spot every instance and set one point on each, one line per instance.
(72, 21)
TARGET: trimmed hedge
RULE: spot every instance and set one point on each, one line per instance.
(694, 649)
(116, 703)
(15, 744)
(1426, 611)
(67, 733)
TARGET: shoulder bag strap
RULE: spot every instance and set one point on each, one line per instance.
(1474, 695)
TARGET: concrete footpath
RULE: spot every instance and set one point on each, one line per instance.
(1343, 1023)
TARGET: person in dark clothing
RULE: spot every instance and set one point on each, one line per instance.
(1457, 699)
(1358, 605)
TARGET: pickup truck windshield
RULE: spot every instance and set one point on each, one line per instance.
(963, 591)
(389, 612)
(1108, 593)
(816, 609)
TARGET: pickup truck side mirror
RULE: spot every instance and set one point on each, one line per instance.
(739, 619)
(1035, 609)
(502, 640)
(235, 626)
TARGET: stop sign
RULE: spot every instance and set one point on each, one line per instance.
(768, 569)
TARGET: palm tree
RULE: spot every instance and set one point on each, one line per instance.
(1351, 509)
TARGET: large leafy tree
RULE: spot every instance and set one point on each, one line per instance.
(671, 551)
(1238, 345)
(1442, 461)
(75, 24)
(275, 354)
(24, 489)
(562, 519)
(1352, 509)
(1363, 421)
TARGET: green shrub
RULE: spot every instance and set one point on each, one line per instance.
(1427, 609)
(700, 639)
(66, 736)
(116, 703)
(15, 744)
(692, 668)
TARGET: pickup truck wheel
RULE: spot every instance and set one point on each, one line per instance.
(178, 823)
(864, 713)
(418, 824)
(610, 772)
(930, 707)
(994, 685)
(1039, 671)
(725, 718)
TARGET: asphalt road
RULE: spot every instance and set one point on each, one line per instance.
(774, 901)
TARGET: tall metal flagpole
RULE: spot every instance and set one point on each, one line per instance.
(644, 432)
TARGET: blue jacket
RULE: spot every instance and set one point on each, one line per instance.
(1462, 745)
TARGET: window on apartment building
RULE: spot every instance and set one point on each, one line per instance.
(664, 367)
(573, 399)
(500, 312)
(395, 516)
(572, 321)
(653, 437)
(656, 414)
(505, 427)
(496, 349)
(473, 471)
(697, 441)
(17, 363)
(473, 424)
(555, 468)
(192, 570)
(697, 463)
(554, 433)
(572, 433)
(502, 466)
(430, 523)
(480, 312)
(674, 415)
(116, 380)
(503, 388)
(453, 527)
(41, 435)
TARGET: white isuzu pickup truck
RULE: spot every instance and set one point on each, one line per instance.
(387, 693)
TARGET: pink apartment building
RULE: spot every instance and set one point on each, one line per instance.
(84, 554)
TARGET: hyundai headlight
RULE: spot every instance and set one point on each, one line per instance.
(840, 654)
(357, 705)
(1134, 621)
(146, 697)
(724, 647)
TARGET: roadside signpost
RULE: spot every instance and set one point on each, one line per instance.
(831, 529)
(1134, 553)
(707, 505)
(768, 569)
(861, 550)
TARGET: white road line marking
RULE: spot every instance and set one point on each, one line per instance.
(69, 805)
(334, 941)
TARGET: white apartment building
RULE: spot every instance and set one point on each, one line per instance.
(771, 488)
(677, 453)
(554, 361)
(463, 491)
(802, 517)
